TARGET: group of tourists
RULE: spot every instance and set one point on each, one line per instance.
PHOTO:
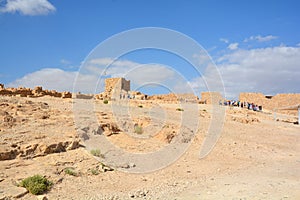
(249, 106)
(127, 96)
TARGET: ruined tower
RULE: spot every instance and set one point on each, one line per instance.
(114, 87)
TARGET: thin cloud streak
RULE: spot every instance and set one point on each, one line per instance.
(260, 38)
(28, 7)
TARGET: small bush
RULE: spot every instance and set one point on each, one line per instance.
(70, 171)
(95, 171)
(97, 153)
(105, 101)
(179, 109)
(36, 184)
(138, 129)
(140, 106)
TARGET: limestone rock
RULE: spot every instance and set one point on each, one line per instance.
(42, 197)
(15, 192)
(7, 154)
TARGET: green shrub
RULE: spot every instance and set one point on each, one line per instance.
(179, 109)
(36, 184)
(140, 106)
(97, 153)
(138, 129)
(70, 171)
(95, 171)
(105, 101)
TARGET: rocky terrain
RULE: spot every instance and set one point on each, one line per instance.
(256, 157)
(36, 92)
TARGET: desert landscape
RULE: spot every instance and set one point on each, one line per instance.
(256, 156)
(149, 100)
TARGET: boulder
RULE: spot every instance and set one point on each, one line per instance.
(66, 95)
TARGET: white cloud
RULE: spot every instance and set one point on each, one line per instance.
(154, 73)
(224, 40)
(138, 73)
(211, 80)
(28, 7)
(65, 62)
(55, 79)
(233, 46)
(267, 70)
(260, 38)
(202, 57)
(86, 80)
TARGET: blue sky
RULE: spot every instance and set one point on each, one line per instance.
(255, 44)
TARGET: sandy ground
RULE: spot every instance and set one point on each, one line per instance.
(254, 158)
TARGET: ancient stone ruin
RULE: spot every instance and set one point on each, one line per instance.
(119, 88)
(278, 101)
(36, 92)
(211, 98)
(173, 98)
(116, 85)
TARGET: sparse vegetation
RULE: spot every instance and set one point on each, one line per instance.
(95, 171)
(204, 110)
(70, 171)
(105, 101)
(97, 153)
(138, 129)
(140, 106)
(179, 109)
(36, 184)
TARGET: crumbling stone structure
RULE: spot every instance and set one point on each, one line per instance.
(115, 88)
(36, 92)
(119, 88)
(271, 102)
(116, 85)
(173, 98)
(84, 96)
(211, 97)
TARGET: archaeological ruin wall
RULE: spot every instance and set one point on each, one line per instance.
(114, 87)
(174, 98)
(211, 97)
(271, 102)
(36, 92)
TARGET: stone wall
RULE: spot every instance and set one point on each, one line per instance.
(111, 84)
(256, 98)
(36, 92)
(137, 95)
(211, 97)
(84, 96)
(271, 102)
(172, 97)
(115, 86)
(125, 85)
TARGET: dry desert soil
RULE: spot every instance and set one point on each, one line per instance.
(255, 156)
